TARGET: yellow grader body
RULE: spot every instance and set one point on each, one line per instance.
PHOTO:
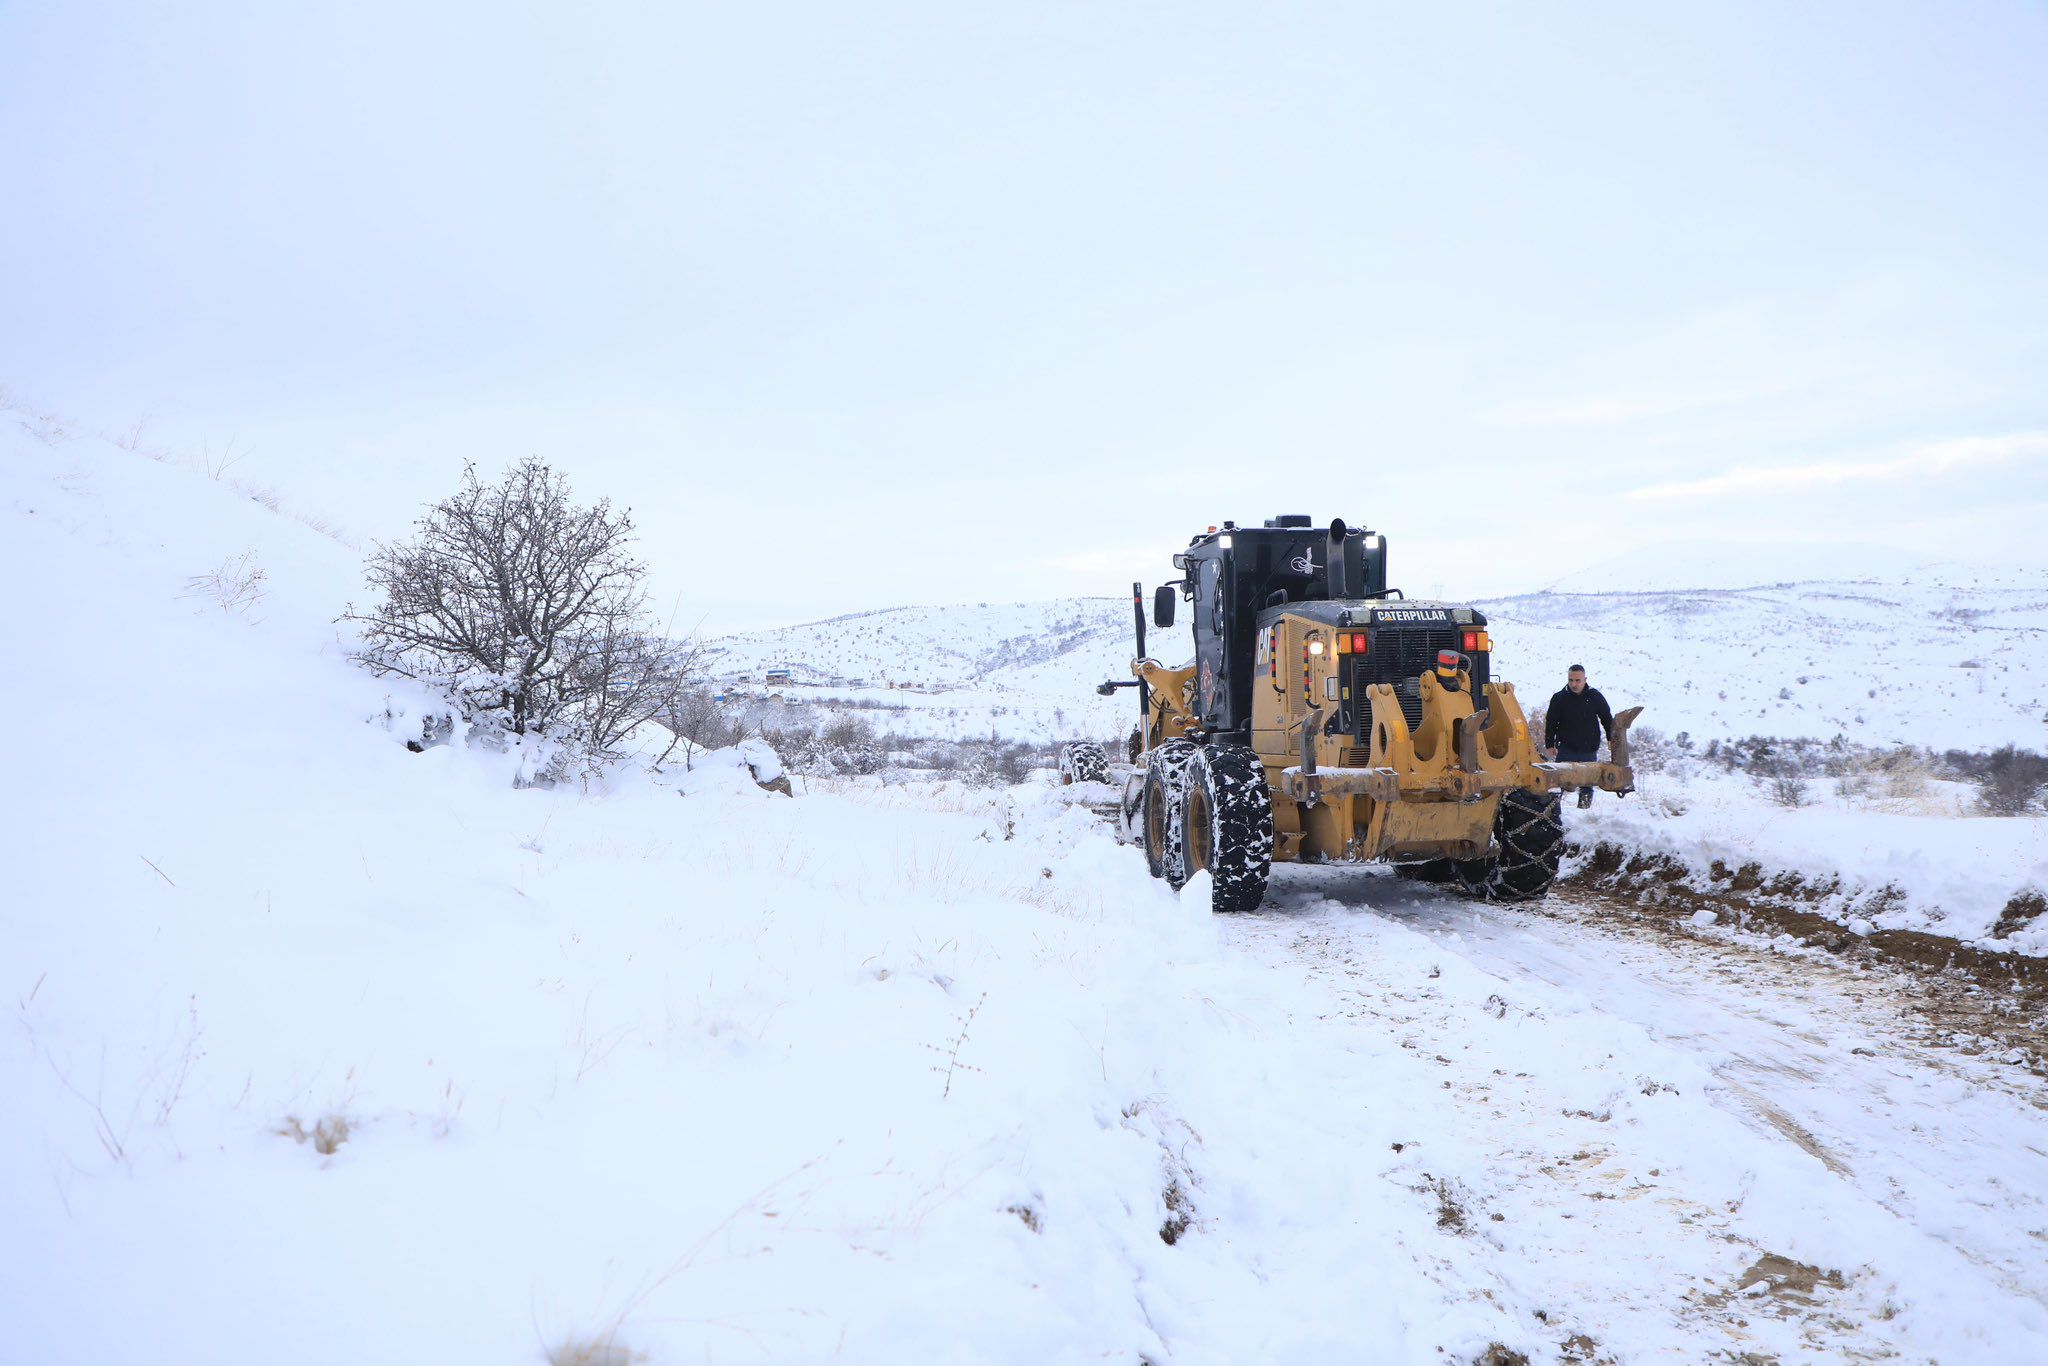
(1327, 718)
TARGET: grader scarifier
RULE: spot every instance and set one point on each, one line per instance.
(1324, 717)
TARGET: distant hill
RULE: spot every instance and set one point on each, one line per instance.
(1883, 652)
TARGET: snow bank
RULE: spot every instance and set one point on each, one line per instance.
(1934, 870)
(333, 1049)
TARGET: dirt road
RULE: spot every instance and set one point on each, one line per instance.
(1688, 1147)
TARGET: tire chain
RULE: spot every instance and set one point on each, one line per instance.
(1530, 831)
(1165, 767)
(1084, 761)
(1241, 834)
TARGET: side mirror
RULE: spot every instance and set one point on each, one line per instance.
(1162, 605)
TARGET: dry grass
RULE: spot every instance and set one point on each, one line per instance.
(332, 530)
(216, 464)
(605, 1346)
(600, 1349)
(258, 493)
(46, 427)
(951, 1053)
(941, 873)
(327, 1135)
(157, 1091)
(236, 586)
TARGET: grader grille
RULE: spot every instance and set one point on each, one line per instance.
(1397, 657)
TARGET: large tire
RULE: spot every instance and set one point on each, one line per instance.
(1227, 817)
(1528, 835)
(1164, 765)
(1083, 762)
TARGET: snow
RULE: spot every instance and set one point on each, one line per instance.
(1678, 566)
(1882, 650)
(1937, 662)
(326, 1050)
(1928, 867)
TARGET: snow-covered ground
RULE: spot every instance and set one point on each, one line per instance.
(1873, 646)
(324, 1050)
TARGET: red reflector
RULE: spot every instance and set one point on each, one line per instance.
(1358, 645)
(1471, 640)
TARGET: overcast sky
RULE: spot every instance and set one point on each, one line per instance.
(859, 305)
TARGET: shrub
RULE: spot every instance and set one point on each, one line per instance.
(1788, 789)
(527, 610)
(2010, 781)
(1002, 763)
(699, 721)
(850, 745)
(796, 740)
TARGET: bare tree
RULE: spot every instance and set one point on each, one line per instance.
(527, 609)
(698, 720)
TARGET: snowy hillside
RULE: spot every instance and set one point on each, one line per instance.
(1941, 656)
(328, 1051)
(931, 648)
(1019, 670)
(1957, 659)
(1680, 565)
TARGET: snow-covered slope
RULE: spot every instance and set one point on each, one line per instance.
(1945, 656)
(326, 1051)
(1676, 566)
(932, 647)
(1957, 660)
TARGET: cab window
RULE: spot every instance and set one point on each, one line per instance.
(1212, 593)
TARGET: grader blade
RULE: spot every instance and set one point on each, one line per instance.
(1618, 741)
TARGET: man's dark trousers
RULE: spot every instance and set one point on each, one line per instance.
(1579, 756)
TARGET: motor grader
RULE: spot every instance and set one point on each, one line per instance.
(1327, 718)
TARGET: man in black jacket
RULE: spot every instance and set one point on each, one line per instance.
(1575, 723)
